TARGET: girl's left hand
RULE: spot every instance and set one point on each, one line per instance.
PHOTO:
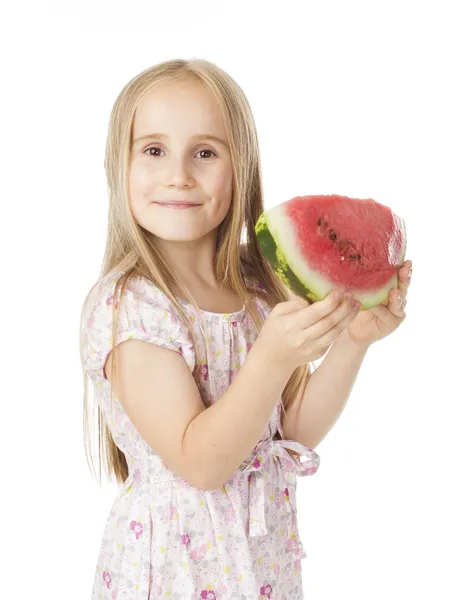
(375, 323)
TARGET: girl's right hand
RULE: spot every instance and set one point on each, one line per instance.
(296, 332)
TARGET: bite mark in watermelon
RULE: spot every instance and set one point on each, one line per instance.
(316, 244)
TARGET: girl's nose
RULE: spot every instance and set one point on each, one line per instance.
(179, 174)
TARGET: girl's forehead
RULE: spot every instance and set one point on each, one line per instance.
(169, 95)
(178, 106)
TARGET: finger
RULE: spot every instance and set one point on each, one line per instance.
(395, 303)
(407, 266)
(404, 279)
(336, 319)
(318, 310)
(290, 306)
(328, 329)
(382, 312)
(344, 314)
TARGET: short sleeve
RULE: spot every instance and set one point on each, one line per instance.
(146, 313)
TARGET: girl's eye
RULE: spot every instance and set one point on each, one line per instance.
(160, 150)
(153, 148)
(210, 151)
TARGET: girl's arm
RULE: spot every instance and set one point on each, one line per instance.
(328, 389)
(204, 446)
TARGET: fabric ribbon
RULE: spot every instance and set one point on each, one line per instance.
(271, 450)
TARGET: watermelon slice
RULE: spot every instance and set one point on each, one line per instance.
(319, 243)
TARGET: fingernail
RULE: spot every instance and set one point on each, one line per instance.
(399, 300)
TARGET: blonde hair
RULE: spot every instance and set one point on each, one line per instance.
(128, 245)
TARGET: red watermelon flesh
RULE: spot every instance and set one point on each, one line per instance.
(319, 243)
(356, 244)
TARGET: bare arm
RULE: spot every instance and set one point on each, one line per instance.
(310, 419)
(203, 445)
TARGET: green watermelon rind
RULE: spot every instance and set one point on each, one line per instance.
(278, 262)
(285, 269)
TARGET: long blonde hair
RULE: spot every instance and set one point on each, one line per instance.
(129, 247)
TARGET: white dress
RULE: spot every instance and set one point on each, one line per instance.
(164, 538)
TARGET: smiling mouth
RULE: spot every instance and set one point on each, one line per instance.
(177, 205)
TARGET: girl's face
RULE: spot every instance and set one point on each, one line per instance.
(187, 159)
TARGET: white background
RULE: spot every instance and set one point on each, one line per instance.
(366, 99)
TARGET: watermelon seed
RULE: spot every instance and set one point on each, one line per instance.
(333, 236)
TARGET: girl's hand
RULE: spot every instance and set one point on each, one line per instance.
(296, 332)
(373, 324)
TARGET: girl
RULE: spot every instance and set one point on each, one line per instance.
(210, 422)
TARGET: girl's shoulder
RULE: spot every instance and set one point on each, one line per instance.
(138, 289)
(142, 310)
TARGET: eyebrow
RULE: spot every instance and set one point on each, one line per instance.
(200, 136)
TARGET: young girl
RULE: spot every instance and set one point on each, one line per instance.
(210, 422)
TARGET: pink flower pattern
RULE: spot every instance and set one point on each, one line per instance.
(107, 579)
(204, 372)
(199, 553)
(292, 545)
(266, 591)
(168, 514)
(230, 515)
(281, 497)
(137, 528)
(112, 300)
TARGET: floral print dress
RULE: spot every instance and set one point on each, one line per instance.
(165, 538)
